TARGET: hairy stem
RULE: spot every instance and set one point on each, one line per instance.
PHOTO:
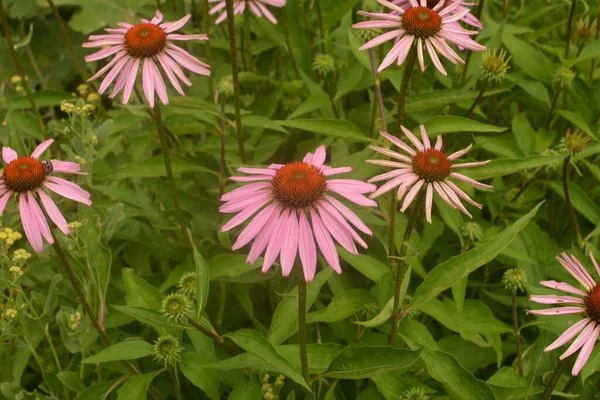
(175, 381)
(162, 134)
(236, 80)
(565, 182)
(409, 64)
(378, 94)
(222, 163)
(515, 322)
(552, 107)
(415, 211)
(20, 71)
(302, 325)
(478, 98)
(206, 29)
(288, 44)
(570, 27)
(560, 368)
(214, 336)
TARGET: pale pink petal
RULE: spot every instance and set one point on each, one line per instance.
(103, 53)
(595, 262)
(3, 200)
(325, 242)
(413, 139)
(554, 299)
(580, 341)
(53, 212)
(262, 239)
(339, 219)
(585, 352)
(132, 75)
(66, 167)
(69, 192)
(30, 226)
(557, 311)
(390, 153)
(568, 334)
(289, 249)
(244, 191)
(466, 179)
(336, 231)
(398, 143)
(428, 202)
(276, 241)
(460, 153)
(242, 216)
(41, 148)
(148, 82)
(174, 26)
(255, 226)
(306, 248)
(411, 195)
(40, 218)
(564, 287)
(349, 215)
(8, 154)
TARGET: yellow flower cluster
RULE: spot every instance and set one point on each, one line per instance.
(16, 271)
(74, 320)
(270, 391)
(10, 313)
(75, 225)
(20, 256)
(8, 237)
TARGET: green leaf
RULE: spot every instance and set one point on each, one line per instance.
(382, 317)
(441, 98)
(509, 166)
(336, 128)
(99, 256)
(43, 98)
(576, 119)
(453, 270)
(137, 386)
(127, 350)
(524, 133)
(247, 389)
(592, 365)
(228, 266)
(590, 51)
(522, 53)
(369, 266)
(443, 124)
(194, 368)
(580, 200)
(349, 78)
(202, 281)
(71, 380)
(139, 292)
(147, 316)
(154, 167)
(285, 319)
(358, 362)
(255, 343)
(342, 306)
(444, 368)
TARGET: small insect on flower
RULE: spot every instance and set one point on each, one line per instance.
(258, 8)
(295, 210)
(416, 24)
(424, 167)
(586, 303)
(26, 177)
(146, 44)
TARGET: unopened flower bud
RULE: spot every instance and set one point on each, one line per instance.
(187, 283)
(575, 142)
(323, 64)
(495, 64)
(167, 350)
(415, 393)
(585, 30)
(471, 231)
(564, 77)
(225, 86)
(176, 307)
(514, 280)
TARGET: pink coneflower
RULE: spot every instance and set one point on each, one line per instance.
(587, 303)
(145, 44)
(428, 28)
(424, 167)
(296, 211)
(258, 7)
(25, 177)
(468, 18)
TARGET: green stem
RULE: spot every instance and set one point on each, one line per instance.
(415, 211)
(222, 163)
(236, 81)
(175, 380)
(21, 72)
(321, 25)
(560, 368)
(565, 181)
(214, 336)
(506, 9)
(409, 65)
(570, 27)
(206, 29)
(68, 41)
(469, 54)
(478, 98)
(288, 44)
(378, 94)
(162, 134)
(517, 333)
(248, 40)
(526, 185)
(552, 107)
(302, 325)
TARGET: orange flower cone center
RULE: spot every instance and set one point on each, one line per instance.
(24, 174)
(421, 22)
(431, 165)
(145, 40)
(592, 303)
(298, 184)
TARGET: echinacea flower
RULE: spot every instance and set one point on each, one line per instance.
(258, 7)
(423, 27)
(26, 177)
(587, 303)
(424, 167)
(468, 18)
(145, 45)
(294, 210)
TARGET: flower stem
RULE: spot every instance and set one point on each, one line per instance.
(505, 10)
(470, 53)
(552, 107)
(560, 368)
(570, 27)
(409, 64)
(222, 163)
(162, 134)
(321, 26)
(517, 333)
(21, 72)
(478, 98)
(288, 44)
(236, 81)
(248, 40)
(175, 381)
(526, 185)
(218, 339)
(565, 181)
(206, 29)
(378, 94)
(68, 41)
(415, 211)
(302, 325)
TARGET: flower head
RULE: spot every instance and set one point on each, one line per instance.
(585, 30)
(145, 44)
(176, 307)
(471, 231)
(427, 28)
(167, 350)
(575, 142)
(415, 393)
(563, 77)
(26, 177)
(514, 280)
(587, 303)
(323, 64)
(187, 283)
(258, 8)
(495, 64)
(297, 210)
(424, 167)
(467, 18)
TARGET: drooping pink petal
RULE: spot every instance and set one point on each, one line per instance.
(41, 148)
(568, 334)
(53, 212)
(586, 351)
(3, 200)
(306, 248)
(289, 249)
(325, 242)
(30, 226)
(558, 311)
(40, 218)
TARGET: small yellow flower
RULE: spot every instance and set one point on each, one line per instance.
(16, 271)
(10, 313)
(74, 320)
(93, 97)
(15, 79)
(80, 160)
